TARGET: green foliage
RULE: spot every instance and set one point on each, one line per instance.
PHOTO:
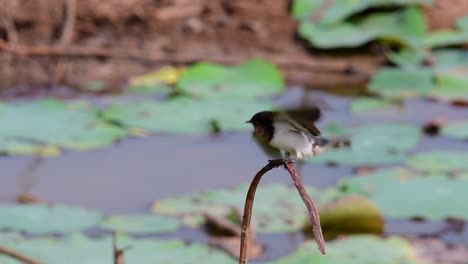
(338, 11)
(141, 223)
(185, 115)
(406, 27)
(33, 127)
(356, 250)
(277, 208)
(456, 129)
(440, 161)
(404, 194)
(396, 83)
(253, 79)
(78, 249)
(351, 215)
(374, 144)
(369, 104)
(40, 219)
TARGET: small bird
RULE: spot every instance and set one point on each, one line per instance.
(293, 132)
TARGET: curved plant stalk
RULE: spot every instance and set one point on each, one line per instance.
(313, 212)
(16, 255)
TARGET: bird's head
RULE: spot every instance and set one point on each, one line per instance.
(263, 123)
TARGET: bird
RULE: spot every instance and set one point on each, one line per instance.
(294, 132)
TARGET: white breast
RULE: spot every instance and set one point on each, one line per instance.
(285, 138)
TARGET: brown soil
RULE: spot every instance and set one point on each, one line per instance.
(52, 43)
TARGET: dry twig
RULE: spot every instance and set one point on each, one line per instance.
(313, 213)
(18, 256)
(287, 61)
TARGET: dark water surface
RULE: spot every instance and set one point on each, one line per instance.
(129, 176)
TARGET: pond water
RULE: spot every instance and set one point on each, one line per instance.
(129, 176)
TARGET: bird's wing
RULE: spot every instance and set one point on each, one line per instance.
(302, 121)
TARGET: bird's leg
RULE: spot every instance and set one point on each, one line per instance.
(287, 157)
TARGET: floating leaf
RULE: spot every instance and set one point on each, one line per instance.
(350, 215)
(356, 250)
(406, 27)
(277, 208)
(52, 122)
(396, 83)
(368, 104)
(17, 147)
(184, 115)
(456, 129)
(157, 81)
(47, 219)
(374, 144)
(440, 161)
(403, 194)
(141, 223)
(447, 37)
(340, 10)
(450, 87)
(253, 79)
(78, 249)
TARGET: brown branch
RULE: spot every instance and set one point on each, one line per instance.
(285, 61)
(69, 24)
(18, 256)
(245, 232)
(313, 212)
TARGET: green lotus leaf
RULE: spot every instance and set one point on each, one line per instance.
(374, 144)
(356, 250)
(401, 193)
(278, 208)
(40, 219)
(406, 28)
(440, 161)
(456, 129)
(141, 223)
(253, 79)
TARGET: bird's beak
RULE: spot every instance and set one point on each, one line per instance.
(248, 121)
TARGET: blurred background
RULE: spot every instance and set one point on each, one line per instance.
(128, 117)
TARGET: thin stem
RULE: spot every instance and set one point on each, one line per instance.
(245, 232)
(312, 209)
(313, 212)
(18, 256)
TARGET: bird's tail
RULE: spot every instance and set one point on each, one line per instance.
(335, 142)
(322, 144)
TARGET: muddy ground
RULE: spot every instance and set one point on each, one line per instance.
(48, 44)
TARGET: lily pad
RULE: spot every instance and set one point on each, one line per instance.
(53, 122)
(356, 250)
(141, 223)
(396, 83)
(253, 79)
(404, 194)
(450, 87)
(374, 144)
(40, 219)
(338, 11)
(277, 208)
(440, 161)
(369, 104)
(78, 249)
(406, 27)
(350, 215)
(17, 147)
(456, 129)
(159, 81)
(183, 115)
(447, 37)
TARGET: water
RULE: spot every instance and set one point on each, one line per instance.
(129, 176)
